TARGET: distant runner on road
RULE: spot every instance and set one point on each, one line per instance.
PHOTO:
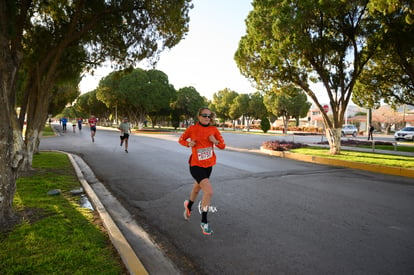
(125, 128)
(92, 124)
(80, 121)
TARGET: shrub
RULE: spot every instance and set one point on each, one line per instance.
(282, 145)
(265, 124)
(175, 124)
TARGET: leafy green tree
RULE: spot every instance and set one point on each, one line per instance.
(300, 42)
(88, 104)
(239, 107)
(39, 93)
(188, 102)
(162, 95)
(137, 93)
(287, 102)
(175, 119)
(46, 39)
(257, 108)
(300, 105)
(387, 116)
(405, 8)
(222, 101)
(62, 94)
(389, 76)
(248, 107)
(109, 92)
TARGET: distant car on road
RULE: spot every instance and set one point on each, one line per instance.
(406, 133)
(349, 129)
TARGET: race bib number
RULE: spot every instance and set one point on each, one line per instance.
(205, 153)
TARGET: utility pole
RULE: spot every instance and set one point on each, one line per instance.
(116, 113)
(369, 119)
(404, 110)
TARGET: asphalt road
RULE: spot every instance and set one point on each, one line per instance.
(271, 215)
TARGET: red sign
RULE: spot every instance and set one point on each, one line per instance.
(325, 108)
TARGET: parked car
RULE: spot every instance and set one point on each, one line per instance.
(349, 129)
(406, 133)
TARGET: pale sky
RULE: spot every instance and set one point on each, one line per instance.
(204, 58)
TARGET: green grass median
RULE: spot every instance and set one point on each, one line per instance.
(56, 235)
(362, 157)
(47, 131)
(398, 148)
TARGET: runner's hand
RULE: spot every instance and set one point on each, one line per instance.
(213, 139)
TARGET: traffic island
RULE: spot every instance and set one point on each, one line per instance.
(397, 171)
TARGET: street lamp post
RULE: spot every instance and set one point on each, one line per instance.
(326, 110)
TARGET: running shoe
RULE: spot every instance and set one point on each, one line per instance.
(205, 227)
(126, 151)
(187, 212)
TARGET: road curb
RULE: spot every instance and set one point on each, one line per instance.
(127, 254)
(396, 171)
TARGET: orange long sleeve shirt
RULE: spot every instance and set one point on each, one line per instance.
(202, 154)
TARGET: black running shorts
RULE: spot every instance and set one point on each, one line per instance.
(200, 173)
(124, 136)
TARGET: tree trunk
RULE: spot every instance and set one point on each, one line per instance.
(36, 118)
(387, 129)
(32, 142)
(285, 124)
(247, 120)
(11, 141)
(334, 139)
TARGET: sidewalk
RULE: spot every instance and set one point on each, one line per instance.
(125, 234)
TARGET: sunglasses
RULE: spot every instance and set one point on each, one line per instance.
(205, 115)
